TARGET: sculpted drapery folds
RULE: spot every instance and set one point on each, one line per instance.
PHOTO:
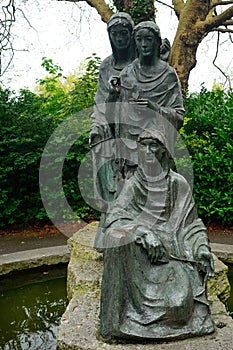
(105, 127)
(149, 95)
(120, 28)
(156, 249)
(156, 254)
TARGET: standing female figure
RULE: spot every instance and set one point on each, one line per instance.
(149, 94)
(120, 29)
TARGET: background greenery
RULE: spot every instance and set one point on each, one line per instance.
(29, 118)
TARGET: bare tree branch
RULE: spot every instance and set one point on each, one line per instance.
(100, 5)
(27, 20)
(217, 3)
(7, 18)
(222, 30)
(228, 23)
(2, 71)
(163, 3)
(216, 66)
(178, 6)
(218, 20)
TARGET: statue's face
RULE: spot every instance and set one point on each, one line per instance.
(120, 36)
(151, 152)
(146, 42)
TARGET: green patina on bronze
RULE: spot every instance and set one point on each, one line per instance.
(155, 248)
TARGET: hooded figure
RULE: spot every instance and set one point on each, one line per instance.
(156, 254)
(120, 29)
(104, 126)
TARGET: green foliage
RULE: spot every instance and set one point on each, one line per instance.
(208, 134)
(51, 68)
(139, 10)
(23, 136)
(27, 121)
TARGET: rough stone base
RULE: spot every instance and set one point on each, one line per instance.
(80, 324)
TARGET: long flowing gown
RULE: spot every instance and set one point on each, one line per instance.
(165, 299)
(104, 149)
(161, 87)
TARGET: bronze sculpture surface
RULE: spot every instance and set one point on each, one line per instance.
(156, 250)
(149, 95)
(105, 128)
(120, 29)
(157, 254)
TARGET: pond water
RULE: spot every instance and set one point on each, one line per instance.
(229, 303)
(32, 303)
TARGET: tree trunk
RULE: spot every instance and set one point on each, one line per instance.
(196, 19)
(190, 33)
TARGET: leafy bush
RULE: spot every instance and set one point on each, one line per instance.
(27, 121)
(208, 135)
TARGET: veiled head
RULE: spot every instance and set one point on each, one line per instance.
(151, 26)
(120, 28)
(153, 156)
(148, 39)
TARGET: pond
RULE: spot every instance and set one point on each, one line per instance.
(229, 303)
(32, 303)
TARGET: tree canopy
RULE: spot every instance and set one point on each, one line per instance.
(29, 119)
(197, 18)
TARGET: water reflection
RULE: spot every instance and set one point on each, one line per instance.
(30, 312)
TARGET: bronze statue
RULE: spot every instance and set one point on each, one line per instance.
(148, 94)
(120, 29)
(156, 250)
(104, 129)
(157, 255)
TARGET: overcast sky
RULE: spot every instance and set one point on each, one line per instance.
(68, 33)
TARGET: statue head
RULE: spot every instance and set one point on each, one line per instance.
(153, 155)
(120, 29)
(148, 30)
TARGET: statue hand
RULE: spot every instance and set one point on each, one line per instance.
(114, 85)
(97, 134)
(153, 245)
(206, 261)
(165, 49)
(94, 135)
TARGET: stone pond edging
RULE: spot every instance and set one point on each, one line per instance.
(223, 251)
(33, 258)
(79, 324)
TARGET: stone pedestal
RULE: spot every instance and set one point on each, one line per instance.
(79, 329)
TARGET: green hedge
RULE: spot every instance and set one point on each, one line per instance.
(208, 137)
(29, 119)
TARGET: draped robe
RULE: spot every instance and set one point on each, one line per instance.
(104, 146)
(165, 299)
(161, 87)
